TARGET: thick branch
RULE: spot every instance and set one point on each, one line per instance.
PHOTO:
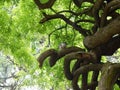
(111, 46)
(64, 52)
(109, 75)
(98, 4)
(56, 55)
(110, 7)
(84, 69)
(48, 4)
(103, 35)
(82, 59)
(53, 53)
(94, 79)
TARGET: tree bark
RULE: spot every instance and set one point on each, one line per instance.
(109, 75)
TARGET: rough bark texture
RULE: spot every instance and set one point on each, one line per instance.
(109, 76)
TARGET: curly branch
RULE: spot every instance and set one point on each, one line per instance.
(103, 35)
(98, 4)
(52, 53)
(84, 69)
(92, 85)
(82, 59)
(68, 59)
(48, 4)
(66, 51)
(94, 79)
(76, 65)
(84, 81)
(110, 7)
(56, 55)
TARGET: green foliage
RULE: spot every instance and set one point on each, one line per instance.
(20, 31)
(19, 27)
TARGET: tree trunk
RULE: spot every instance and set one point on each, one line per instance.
(109, 75)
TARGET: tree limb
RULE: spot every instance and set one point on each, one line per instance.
(110, 7)
(75, 26)
(81, 70)
(56, 55)
(46, 5)
(82, 59)
(103, 35)
(109, 75)
(98, 4)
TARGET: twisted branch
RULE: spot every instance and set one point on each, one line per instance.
(82, 70)
(82, 59)
(56, 55)
(110, 7)
(98, 4)
(103, 35)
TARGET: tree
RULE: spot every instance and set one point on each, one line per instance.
(100, 38)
